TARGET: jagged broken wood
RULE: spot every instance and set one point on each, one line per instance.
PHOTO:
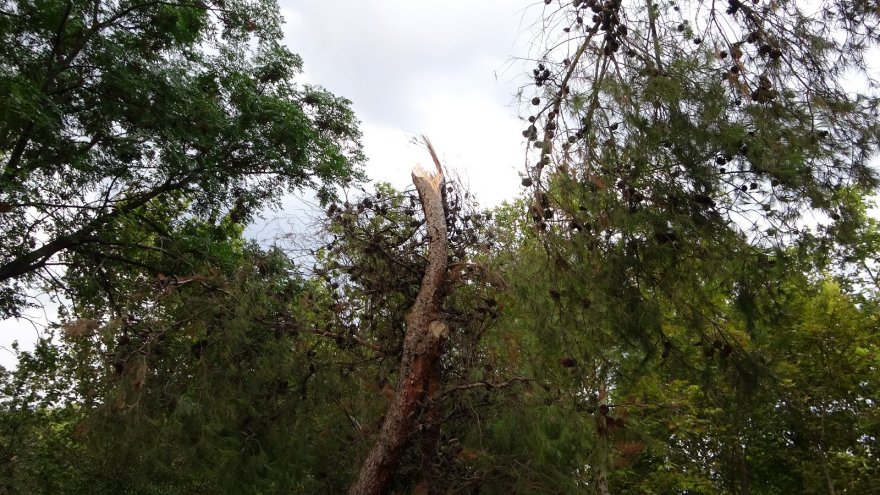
(422, 347)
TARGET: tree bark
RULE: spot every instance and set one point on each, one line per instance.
(422, 345)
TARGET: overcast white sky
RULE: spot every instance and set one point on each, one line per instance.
(438, 67)
(444, 68)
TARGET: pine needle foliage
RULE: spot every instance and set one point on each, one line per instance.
(688, 160)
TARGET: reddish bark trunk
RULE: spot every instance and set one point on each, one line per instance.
(422, 346)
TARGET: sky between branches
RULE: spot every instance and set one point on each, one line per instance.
(443, 68)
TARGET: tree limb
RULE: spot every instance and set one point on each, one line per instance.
(39, 257)
(487, 385)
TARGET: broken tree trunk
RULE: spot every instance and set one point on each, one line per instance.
(422, 345)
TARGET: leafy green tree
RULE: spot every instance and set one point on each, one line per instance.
(38, 444)
(689, 159)
(665, 142)
(684, 303)
(747, 405)
(243, 376)
(142, 137)
(702, 429)
(112, 106)
(210, 383)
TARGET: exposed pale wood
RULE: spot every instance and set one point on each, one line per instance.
(422, 346)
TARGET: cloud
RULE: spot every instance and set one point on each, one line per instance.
(440, 67)
(375, 52)
(26, 330)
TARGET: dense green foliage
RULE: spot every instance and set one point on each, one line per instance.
(110, 106)
(700, 181)
(728, 398)
(684, 300)
(202, 387)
